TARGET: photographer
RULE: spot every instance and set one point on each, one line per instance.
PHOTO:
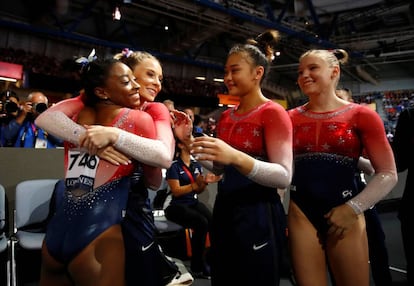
(29, 135)
(11, 116)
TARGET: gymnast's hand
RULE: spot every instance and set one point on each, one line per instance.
(113, 156)
(97, 136)
(340, 220)
(183, 126)
(214, 149)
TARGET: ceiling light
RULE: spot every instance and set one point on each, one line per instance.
(218, 79)
(116, 15)
(166, 28)
(8, 79)
(200, 77)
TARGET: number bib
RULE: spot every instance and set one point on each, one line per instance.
(81, 172)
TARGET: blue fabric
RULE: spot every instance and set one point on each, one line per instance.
(177, 172)
(28, 134)
(78, 220)
(9, 132)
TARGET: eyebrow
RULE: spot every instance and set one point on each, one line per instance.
(120, 76)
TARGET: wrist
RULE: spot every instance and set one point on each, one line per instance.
(118, 139)
(355, 206)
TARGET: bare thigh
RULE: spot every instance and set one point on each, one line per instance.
(102, 262)
(307, 253)
(348, 257)
(52, 272)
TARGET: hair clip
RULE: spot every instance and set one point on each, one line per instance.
(84, 61)
(127, 52)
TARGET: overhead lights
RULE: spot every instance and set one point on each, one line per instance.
(218, 79)
(200, 77)
(116, 15)
(8, 79)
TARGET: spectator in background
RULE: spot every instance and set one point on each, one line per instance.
(170, 104)
(190, 113)
(186, 181)
(171, 108)
(199, 125)
(11, 118)
(29, 134)
(403, 146)
(211, 127)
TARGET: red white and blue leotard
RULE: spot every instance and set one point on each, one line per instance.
(326, 151)
(248, 218)
(96, 198)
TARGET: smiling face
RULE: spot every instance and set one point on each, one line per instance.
(315, 76)
(240, 77)
(149, 75)
(121, 87)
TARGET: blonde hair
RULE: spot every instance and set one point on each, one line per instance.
(332, 57)
(133, 58)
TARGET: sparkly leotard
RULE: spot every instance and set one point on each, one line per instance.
(326, 151)
(95, 196)
(248, 218)
(141, 251)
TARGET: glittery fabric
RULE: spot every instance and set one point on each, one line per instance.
(57, 120)
(259, 133)
(326, 151)
(80, 219)
(248, 225)
(85, 214)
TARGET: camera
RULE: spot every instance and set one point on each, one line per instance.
(9, 106)
(39, 107)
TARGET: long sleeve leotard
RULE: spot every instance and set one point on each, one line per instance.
(95, 194)
(326, 151)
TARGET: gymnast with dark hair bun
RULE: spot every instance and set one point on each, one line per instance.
(253, 151)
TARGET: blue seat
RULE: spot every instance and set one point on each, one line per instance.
(3, 220)
(4, 239)
(31, 210)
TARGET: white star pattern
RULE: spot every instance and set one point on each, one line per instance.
(326, 146)
(332, 127)
(247, 144)
(256, 132)
(239, 129)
